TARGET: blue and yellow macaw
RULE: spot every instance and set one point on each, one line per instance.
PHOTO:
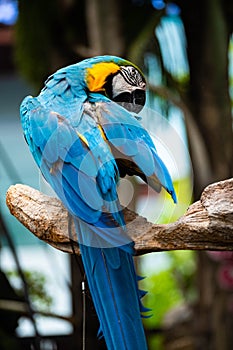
(84, 134)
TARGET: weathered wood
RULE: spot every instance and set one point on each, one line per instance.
(207, 224)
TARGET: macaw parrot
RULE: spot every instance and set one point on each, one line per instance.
(84, 134)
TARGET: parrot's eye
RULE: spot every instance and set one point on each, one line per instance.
(133, 71)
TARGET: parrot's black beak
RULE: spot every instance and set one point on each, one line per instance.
(139, 98)
(132, 101)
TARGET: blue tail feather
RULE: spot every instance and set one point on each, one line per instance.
(113, 285)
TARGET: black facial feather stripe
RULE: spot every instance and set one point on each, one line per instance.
(131, 76)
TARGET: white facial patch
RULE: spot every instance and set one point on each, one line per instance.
(119, 85)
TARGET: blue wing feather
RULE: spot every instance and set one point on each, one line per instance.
(126, 134)
(83, 175)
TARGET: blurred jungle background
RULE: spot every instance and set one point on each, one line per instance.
(185, 49)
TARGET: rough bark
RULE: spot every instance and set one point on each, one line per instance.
(207, 224)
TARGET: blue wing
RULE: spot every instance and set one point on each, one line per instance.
(133, 147)
(79, 165)
(78, 158)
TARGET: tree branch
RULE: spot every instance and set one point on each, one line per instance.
(21, 308)
(207, 224)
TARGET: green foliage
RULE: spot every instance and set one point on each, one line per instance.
(171, 213)
(164, 293)
(33, 38)
(36, 287)
(156, 342)
(167, 288)
(183, 266)
(46, 36)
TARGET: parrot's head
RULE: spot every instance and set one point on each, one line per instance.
(119, 80)
(128, 88)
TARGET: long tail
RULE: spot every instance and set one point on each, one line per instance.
(113, 285)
